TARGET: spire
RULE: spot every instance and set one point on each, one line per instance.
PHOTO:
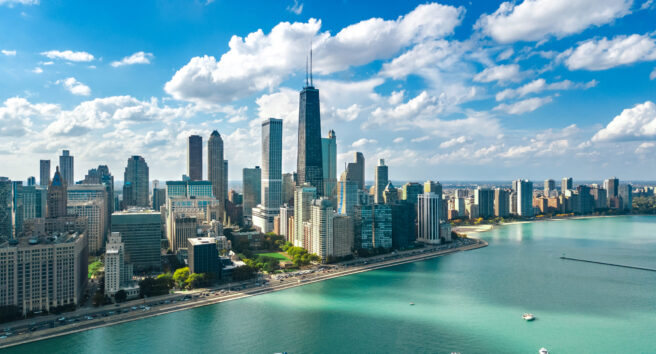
(306, 72)
(311, 84)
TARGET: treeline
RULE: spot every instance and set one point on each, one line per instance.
(181, 279)
(299, 255)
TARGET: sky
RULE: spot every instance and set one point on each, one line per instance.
(453, 90)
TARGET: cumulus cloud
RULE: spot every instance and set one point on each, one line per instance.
(75, 87)
(398, 140)
(17, 115)
(123, 111)
(524, 106)
(420, 139)
(37, 70)
(644, 148)
(68, 55)
(602, 54)
(535, 20)
(295, 8)
(136, 58)
(260, 61)
(453, 142)
(363, 141)
(500, 73)
(636, 123)
(9, 53)
(540, 85)
(652, 76)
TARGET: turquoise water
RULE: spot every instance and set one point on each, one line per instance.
(470, 302)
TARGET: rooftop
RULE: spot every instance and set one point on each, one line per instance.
(55, 238)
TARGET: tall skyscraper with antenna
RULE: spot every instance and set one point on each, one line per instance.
(309, 165)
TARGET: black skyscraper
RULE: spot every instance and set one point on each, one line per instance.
(309, 165)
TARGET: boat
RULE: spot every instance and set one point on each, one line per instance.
(528, 316)
(412, 304)
(543, 351)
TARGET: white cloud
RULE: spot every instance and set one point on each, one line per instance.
(524, 106)
(136, 58)
(647, 4)
(47, 63)
(455, 141)
(500, 73)
(9, 53)
(636, 123)
(68, 55)
(121, 111)
(535, 20)
(11, 3)
(420, 139)
(37, 70)
(506, 54)
(295, 8)
(75, 87)
(363, 141)
(260, 61)
(540, 85)
(644, 148)
(602, 54)
(652, 76)
(398, 140)
(17, 115)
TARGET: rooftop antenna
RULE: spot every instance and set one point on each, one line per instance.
(311, 84)
(306, 71)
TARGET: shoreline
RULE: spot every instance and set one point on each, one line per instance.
(64, 330)
(487, 227)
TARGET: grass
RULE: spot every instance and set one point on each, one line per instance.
(277, 255)
(94, 268)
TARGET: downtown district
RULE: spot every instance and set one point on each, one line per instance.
(50, 229)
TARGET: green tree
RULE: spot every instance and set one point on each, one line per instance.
(243, 273)
(167, 278)
(180, 276)
(120, 296)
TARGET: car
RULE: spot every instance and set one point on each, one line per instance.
(134, 307)
(62, 319)
(3, 337)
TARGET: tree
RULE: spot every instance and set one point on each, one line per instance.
(243, 273)
(180, 276)
(167, 278)
(154, 287)
(197, 280)
(98, 298)
(120, 296)
(9, 313)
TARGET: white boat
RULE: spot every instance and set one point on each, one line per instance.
(528, 316)
(543, 351)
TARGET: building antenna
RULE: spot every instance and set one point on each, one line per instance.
(311, 83)
(306, 71)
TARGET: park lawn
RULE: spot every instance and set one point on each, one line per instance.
(277, 255)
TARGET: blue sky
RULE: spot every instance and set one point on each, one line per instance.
(452, 90)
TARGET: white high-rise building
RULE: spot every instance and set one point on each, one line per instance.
(322, 228)
(429, 206)
(117, 273)
(524, 189)
(303, 197)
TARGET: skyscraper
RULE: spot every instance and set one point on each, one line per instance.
(410, 191)
(429, 206)
(225, 181)
(57, 197)
(322, 243)
(215, 166)
(355, 170)
(567, 183)
(501, 200)
(303, 197)
(347, 195)
(141, 233)
(271, 186)
(309, 164)
(195, 158)
(381, 179)
(272, 163)
(6, 224)
(549, 185)
(484, 198)
(252, 183)
(135, 183)
(329, 159)
(612, 187)
(44, 173)
(524, 189)
(67, 168)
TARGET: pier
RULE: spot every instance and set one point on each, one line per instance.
(608, 264)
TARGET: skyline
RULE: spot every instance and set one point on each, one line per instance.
(538, 102)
